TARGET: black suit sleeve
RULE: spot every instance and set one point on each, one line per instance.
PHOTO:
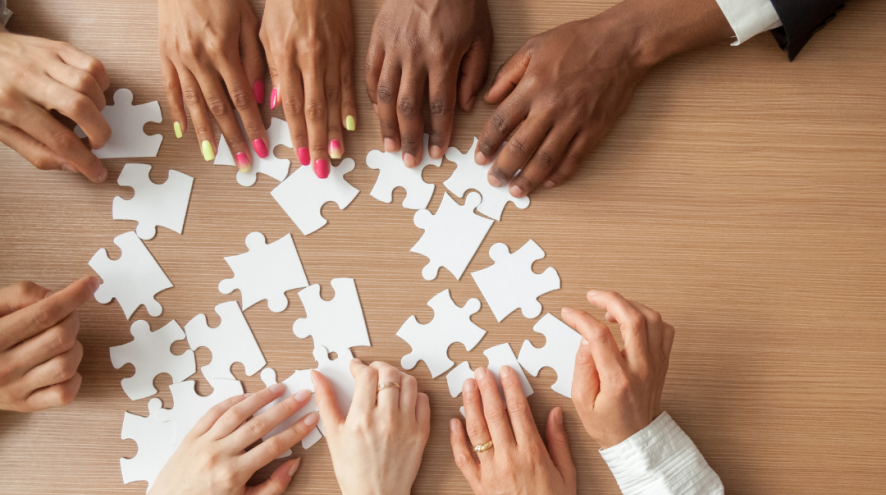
(800, 20)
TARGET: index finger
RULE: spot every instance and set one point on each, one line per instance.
(632, 323)
(20, 295)
(82, 61)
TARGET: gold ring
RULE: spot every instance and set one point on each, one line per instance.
(483, 448)
(384, 385)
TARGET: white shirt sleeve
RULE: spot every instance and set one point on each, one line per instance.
(5, 13)
(661, 460)
(749, 18)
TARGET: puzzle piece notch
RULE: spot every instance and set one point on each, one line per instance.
(470, 175)
(153, 205)
(561, 346)
(452, 236)
(338, 372)
(127, 122)
(510, 282)
(230, 342)
(430, 343)
(302, 195)
(277, 168)
(393, 173)
(188, 406)
(150, 353)
(133, 280)
(336, 325)
(293, 384)
(155, 445)
(497, 356)
(266, 271)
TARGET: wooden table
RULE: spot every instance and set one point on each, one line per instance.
(740, 195)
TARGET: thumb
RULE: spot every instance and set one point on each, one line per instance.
(278, 481)
(558, 444)
(474, 70)
(508, 77)
(586, 378)
(327, 402)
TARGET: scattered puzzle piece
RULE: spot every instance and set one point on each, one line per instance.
(153, 205)
(338, 372)
(127, 121)
(456, 378)
(498, 356)
(278, 168)
(510, 283)
(431, 342)
(470, 175)
(155, 445)
(303, 194)
(132, 280)
(392, 173)
(561, 346)
(150, 353)
(267, 271)
(293, 385)
(336, 325)
(452, 236)
(231, 342)
(188, 406)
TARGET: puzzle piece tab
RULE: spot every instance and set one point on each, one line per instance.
(150, 353)
(231, 342)
(278, 168)
(561, 346)
(336, 325)
(127, 121)
(188, 406)
(303, 194)
(153, 205)
(155, 445)
(293, 385)
(392, 173)
(470, 175)
(267, 271)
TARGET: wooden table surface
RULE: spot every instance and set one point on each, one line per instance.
(740, 195)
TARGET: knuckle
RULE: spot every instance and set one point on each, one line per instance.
(518, 146)
(25, 289)
(315, 110)
(190, 96)
(63, 340)
(95, 67)
(462, 461)
(241, 99)
(517, 408)
(406, 107)
(78, 104)
(654, 316)
(333, 94)
(293, 106)
(544, 159)
(635, 320)
(439, 106)
(66, 395)
(67, 140)
(256, 426)
(476, 430)
(368, 373)
(81, 83)
(217, 106)
(385, 94)
(499, 123)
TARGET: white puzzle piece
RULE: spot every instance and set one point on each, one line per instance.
(127, 121)
(392, 173)
(188, 406)
(510, 283)
(153, 205)
(452, 236)
(133, 279)
(498, 356)
(561, 346)
(336, 325)
(293, 385)
(303, 194)
(231, 342)
(150, 353)
(278, 168)
(338, 371)
(267, 271)
(456, 378)
(155, 445)
(470, 175)
(430, 343)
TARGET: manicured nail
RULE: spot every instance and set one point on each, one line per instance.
(321, 168)
(208, 152)
(335, 149)
(302, 395)
(350, 123)
(516, 191)
(243, 162)
(311, 419)
(178, 129)
(409, 160)
(453, 425)
(260, 148)
(258, 89)
(480, 158)
(549, 184)
(505, 371)
(493, 180)
(436, 152)
(304, 156)
(390, 145)
(294, 467)
(277, 388)
(273, 98)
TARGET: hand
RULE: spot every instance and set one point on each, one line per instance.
(310, 49)
(377, 449)
(38, 76)
(213, 458)
(444, 43)
(518, 462)
(39, 350)
(209, 50)
(617, 393)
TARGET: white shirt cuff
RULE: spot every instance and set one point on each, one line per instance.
(661, 460)
(749, 18)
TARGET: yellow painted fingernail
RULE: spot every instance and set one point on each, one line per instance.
(178, 130)
(208, 152)
(350, 123)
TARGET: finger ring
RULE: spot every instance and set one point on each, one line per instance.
(384, 385)
(483, 448)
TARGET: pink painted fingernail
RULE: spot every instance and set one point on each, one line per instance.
(243, 162)
(335, 149)
(321, 168)
(273, 98)
(304, 156)
(260, 149)
(258, 89)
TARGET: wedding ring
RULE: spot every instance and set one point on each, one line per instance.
(483, 448)
(384, 385)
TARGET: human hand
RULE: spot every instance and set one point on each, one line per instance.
(213, 457)
(37, 76)
(377, 448)
(310, 50)
(618, 393)
(518, 462)
(39, 350)
(211, 60)
(416, 42)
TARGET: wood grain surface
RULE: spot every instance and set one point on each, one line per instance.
(741, 195)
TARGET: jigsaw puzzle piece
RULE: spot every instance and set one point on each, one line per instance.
(561, 346)
(392, 173)
(338, 372)
(303, 194)
(497, 356)
(155, 445)
(267, 271)
(470, 175)
(150, 353)
(133, 280)
(452, 236)
(231, 342)
(128, 139)
(153, 205)
(430, 343)
(336, 325)
(188, 406)
(277, 168)
(510, 282)
(293, 385)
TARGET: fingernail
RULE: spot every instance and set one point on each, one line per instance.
(260, 148)
(505, 371)
(592, 293)
(480, 158)
(273, 98)
(294, 467)
(549, 184)
(436, 152)
(409, 160)
(68, 168)
(302, 396)
(453, 425)
(259, 90)
(584, 341)
(312, 418)
(471, 103)
(102, 174)
(49, 293)
(277, 388)
(469, 385)
(567, 310)
(356, 360)
(493, 180)
(335, 149)
(480, 373)
(208, 152)
(321, 168)
(390, 145)
(247, 395)
(304, 156)
(517, 191)
(178, 129)
(607, 316)
(93, 284)
(350, 123)
(242, 162)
